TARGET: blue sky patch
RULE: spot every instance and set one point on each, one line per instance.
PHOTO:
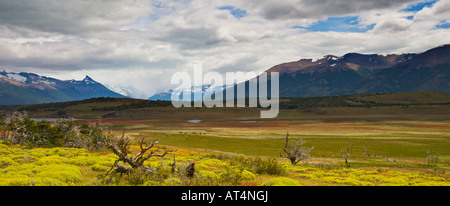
(419, 6)
(443, 25)
(339, 24)
(236, 12)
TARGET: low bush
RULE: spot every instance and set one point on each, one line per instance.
(7, 161)
(268, 166)
(99, 168)
(281, 181)
(247, 175)
(47, 181)
(207, 177)
(54, 159)
(69, 174)
(172, 181)
(22, 130)
(15, 181)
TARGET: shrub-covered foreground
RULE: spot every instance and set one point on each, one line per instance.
(71, 166)
(18, 128)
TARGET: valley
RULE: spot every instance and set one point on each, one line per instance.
(388, 135)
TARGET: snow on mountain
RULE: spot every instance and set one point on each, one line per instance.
(355, 73)
(89, 80)
(17, 77)
(167, 95)
(128, 91)
(29, 88)
(44, 81)
(29, 78)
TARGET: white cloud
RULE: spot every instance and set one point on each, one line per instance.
(440, 10)
(72, 16)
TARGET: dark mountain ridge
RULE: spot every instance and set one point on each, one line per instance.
(29, 88)
(356, 73)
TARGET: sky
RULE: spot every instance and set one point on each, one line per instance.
(139, 44)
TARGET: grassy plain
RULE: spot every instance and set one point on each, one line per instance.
(406, 135)
(390, 143)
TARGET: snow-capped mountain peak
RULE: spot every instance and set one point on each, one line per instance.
(167, 95)
(29, 88)
(89, 80)
(128, 91)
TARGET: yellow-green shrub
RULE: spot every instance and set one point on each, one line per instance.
(435, 178)
(371, 178)
(37, 152)
(15, 181)
(83, 160)
(99, 168)
(17, 170)
(207, 175)
(22, 158)
(301, 169)
(318, 173)
(345, 181)
(230, 174)
(151, 164)
(201, 166)
(151, 183)
(394, 181)
(46, 181)
(71, 152)
(247, 175)
(308, 176)
(431, 183)
(281, 181)
(212, 162)
(7, 161)
(172, 181)
(54, 159)
(65, 173)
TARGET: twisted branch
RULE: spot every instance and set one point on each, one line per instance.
(120, 147)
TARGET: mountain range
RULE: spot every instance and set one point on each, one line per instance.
(356, 73)
(167, 95)
(28, 88)
(331, 75)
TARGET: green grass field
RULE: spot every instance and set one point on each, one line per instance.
(406, 135)
(390, 143)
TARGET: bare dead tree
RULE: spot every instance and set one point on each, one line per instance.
(121, 147)
(431, 160)
(436, 159)
(295, 151)
(345, 153)
(190, 170)
(366, 150)
(173, 165)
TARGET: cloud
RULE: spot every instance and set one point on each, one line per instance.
(72, 16)
(393, 25)
(319, 9)
(440, 10)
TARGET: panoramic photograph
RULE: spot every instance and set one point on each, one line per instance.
(239, 94)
